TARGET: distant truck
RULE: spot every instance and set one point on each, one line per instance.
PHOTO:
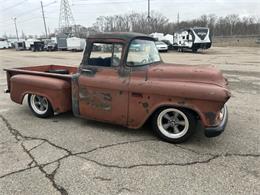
(19, 45)
(37, 46)
(76, 44)
(29, 43)
(192, 38)
(61, 40)
(50, 45)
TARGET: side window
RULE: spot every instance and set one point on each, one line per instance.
(105, 54)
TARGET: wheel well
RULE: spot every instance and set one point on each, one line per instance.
(164, 107)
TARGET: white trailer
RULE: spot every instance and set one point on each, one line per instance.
(76, 44)
(4, 44)
(192, 38)
(29, 43)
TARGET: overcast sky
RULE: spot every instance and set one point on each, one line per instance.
(29, 18)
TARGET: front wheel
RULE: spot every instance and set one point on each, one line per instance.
(40, 106)
(174, 125)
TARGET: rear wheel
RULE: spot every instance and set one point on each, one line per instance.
(174, 125)
(40, 106)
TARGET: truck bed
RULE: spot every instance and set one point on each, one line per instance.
(43, 70)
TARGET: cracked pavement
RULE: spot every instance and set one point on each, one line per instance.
(68, 155)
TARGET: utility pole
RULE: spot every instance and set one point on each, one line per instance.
(43, 17)
(148, 10)
(14, 18)
(178, 19)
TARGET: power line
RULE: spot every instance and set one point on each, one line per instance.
(13, 6)
(36, 9)
(107, 2)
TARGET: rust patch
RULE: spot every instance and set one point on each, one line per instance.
(146, 106)
(211, 117)
(96, 100)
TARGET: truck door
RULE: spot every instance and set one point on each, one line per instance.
(103, 91)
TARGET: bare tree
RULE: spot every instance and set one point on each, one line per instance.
(138, 22)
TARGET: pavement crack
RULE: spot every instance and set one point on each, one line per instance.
(37, 146)
(49, 142)
(102, 178)
(193, 151)
(241, 155)
(112, 145)
(213, 157)
(19, 137)
(149, 164)
(223, 154)
(30, 164)
(123, 189)
(50, 177)
(15, 172)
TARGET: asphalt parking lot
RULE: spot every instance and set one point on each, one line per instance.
(68, 155)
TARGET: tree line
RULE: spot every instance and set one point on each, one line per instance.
(139, 22)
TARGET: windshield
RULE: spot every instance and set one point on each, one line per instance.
(142, 52)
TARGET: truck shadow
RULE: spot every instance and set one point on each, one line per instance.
(145, 131)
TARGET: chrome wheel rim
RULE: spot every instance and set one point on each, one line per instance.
(173, 123)
(39, 104)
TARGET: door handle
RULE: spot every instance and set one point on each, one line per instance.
(86, 70)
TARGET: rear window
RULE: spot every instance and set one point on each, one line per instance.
(105, 54)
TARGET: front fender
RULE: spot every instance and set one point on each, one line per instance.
(141, 109)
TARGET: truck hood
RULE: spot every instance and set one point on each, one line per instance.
(184, 73)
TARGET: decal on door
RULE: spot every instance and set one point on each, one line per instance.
(99, 100)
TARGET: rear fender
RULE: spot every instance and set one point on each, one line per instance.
(57, 91)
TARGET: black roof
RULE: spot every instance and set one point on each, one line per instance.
(127, 36)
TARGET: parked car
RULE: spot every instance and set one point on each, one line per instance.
(257, 41)
(50, 45)
(168, 43)
(161, 46)
(127, 88)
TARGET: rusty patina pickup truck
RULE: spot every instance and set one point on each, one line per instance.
(122, 80)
